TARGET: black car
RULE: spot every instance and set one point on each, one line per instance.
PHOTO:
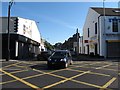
(60, 58)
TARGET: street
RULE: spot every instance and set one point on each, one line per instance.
(34, 75)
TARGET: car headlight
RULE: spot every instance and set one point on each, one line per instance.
(63, 59)
(49, 59)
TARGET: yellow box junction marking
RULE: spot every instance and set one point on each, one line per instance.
(21, 80)
(11, 65)
(91, 72)
(109, 82)
(104, 66)
(66, 79)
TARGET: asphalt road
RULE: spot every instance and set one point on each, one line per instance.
(34, 75)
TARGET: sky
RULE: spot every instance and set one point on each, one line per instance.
(57, 21)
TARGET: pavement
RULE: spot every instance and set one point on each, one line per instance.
(81, 75)
(82, 57)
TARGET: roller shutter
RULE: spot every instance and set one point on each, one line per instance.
(113, 49)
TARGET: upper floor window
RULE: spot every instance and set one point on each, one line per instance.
(88, 32)
(115, 25)
(95, 28)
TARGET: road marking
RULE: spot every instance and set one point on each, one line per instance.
(19, 79)
(1, 83)
(11, 65)
(18, 71)
(91, 72)
(15, 72)
(66, 79)
(103, 66)
(48, 72)
(110, 69)
(109, 82)
(80, 82)
(25, 67)
(49, 86)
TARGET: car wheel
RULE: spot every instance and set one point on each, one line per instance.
(71, 62)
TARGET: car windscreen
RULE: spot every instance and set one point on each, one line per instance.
(59, 54)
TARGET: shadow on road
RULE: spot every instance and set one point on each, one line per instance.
(43, 67)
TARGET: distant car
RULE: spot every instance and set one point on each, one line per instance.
(60, 58)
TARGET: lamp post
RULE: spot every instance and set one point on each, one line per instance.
(104, 27)
(8, 34)
(77, 41)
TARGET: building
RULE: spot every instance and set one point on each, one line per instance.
(101, 32)
(81, 45)
(25, 39)
(72, 43)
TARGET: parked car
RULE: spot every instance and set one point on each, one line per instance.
(60, 58)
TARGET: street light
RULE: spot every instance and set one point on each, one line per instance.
(77, 41)
(104, 26)
(8, 40)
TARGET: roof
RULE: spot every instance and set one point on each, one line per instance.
(108, 11)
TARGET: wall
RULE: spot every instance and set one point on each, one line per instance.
(91, 19)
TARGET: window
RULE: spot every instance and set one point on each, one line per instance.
(88, 32)
(115, 25)
(95, 28)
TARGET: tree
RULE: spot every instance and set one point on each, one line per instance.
(58, 45)
(48, 45)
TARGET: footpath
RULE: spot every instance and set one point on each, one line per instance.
(93, 58)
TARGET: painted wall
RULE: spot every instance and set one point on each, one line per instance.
(104, 32)
(26, 28)
(91, 19)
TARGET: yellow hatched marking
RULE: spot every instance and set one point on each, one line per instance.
(33, 76)
(20, 66)
(43, 73)
(104, 66)
(19, 79)
(10, 65)
(109, 69)
(48, 72)
(15, 72)
(18, 71)
(62, 81)
(1, 83)
(109, 82)
(25, 67)
(91, 72)
(86, 83)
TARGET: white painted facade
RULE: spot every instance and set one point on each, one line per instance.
(26, 27)
(25, 39)
(98, 33)
(81, 45)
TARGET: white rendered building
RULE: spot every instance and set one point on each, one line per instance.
(25, 39)
(101, 32)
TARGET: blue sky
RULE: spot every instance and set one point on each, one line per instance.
(57, 20)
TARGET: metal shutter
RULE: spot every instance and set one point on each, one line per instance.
(113, 49)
